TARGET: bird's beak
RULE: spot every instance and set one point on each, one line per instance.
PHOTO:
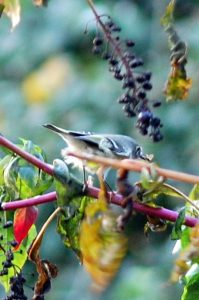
(148, 157)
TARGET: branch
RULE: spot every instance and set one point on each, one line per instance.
(47, 168)
(117, 199)
(137, 166)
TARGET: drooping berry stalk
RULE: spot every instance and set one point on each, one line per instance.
(123, 63)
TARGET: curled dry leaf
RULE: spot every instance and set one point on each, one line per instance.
(45, 269)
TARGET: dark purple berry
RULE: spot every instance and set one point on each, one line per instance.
(157, 104)
(124, 99)
(97, 41)
(109, 24)
(147, 75)
(144, 117)
(130, 43)
(155, 122)
(113, 61)
(157, 137)
(116, 28)
(147, 86)
(136, 63)
(8, 224)
(140, 78)
(7, 264)
(141, 94)
(13, 243)
(118, 76)
(128, 83)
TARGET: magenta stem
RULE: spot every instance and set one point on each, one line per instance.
(47, 168)
(93, 192)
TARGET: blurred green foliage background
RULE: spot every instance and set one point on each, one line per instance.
(49, 75)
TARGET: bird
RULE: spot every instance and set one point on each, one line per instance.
(106, 145)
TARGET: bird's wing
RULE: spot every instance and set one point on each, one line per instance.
(90, 139)
(110, 144)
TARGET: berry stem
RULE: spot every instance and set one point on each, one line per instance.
(115, 198)
(111, 40)
(47, 168)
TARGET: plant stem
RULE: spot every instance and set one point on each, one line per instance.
(47, 168)
(137, 166)
(117, 199)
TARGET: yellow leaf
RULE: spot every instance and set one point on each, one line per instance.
(102, 246)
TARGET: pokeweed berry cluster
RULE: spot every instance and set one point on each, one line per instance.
(124, 64)
(16, 287)
(17, 281)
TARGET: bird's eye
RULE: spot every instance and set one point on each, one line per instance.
(137, 151)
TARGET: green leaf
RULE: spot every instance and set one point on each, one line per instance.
(70, 198)
(185, 237)
(69, 221)
(22, 179)
(191, 290)
(177, 228)
(66, 185)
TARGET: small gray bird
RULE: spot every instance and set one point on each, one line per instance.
(106, 145)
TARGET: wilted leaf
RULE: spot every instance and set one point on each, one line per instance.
(24, 218)
(102, 246)
(178, 85)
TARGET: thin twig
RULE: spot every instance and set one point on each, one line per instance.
(137, 166)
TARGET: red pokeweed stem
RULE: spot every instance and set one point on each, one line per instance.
(117, 199)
